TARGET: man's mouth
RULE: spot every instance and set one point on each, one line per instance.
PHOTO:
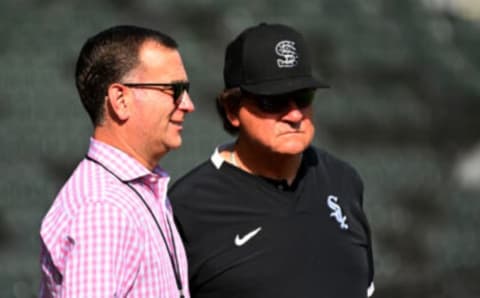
(177, 123)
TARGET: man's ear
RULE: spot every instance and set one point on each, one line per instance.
(118, 98)
(232, 114)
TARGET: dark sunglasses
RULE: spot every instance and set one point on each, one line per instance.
(177, 87)
(276, 104)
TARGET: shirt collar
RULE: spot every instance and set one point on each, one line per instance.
(120, 163)
(216, 158)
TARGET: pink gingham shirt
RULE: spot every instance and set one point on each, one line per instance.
(98, 238)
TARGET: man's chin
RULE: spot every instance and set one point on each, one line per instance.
(292, 148)
(175, 145)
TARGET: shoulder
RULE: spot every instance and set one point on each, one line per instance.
(201, 174)
(333, 167)
(90, 187)
(321, 158)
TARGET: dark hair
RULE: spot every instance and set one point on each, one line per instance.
(229, 100)
(108, 56)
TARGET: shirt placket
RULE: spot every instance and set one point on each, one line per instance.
(157, 186)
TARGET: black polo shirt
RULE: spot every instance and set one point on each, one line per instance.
(247, 236)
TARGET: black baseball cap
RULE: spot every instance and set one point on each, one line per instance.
(269, 59)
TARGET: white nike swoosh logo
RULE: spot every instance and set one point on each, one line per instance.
(239, 241)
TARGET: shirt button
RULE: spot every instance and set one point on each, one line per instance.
(152, 179)
(280, 187)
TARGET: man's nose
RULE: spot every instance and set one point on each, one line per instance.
(186, 104)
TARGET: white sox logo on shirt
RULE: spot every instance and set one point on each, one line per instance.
(337, 212)
(286, 49)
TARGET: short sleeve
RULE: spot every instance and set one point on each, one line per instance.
(105, 255)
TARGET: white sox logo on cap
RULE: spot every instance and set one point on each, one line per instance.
(286, 49)
(269, 59)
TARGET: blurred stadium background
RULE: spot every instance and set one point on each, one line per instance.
(404, 110)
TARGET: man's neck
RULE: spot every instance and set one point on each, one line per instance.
(261, 162)
(118, 140)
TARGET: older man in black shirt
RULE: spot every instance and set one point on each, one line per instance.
(269, 215)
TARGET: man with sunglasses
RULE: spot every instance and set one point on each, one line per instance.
(270, 215)
(110, 231)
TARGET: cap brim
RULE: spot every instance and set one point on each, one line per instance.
(283, 86)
